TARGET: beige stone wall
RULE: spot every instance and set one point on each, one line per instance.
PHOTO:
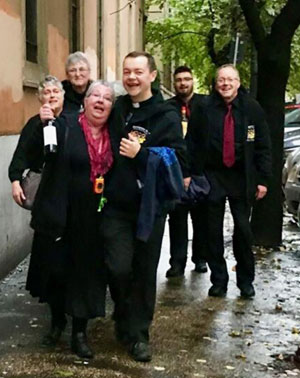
(122, 25)
(90, 34)
(57, 20)
(11, 64)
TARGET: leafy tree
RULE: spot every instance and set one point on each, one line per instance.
(199, 32)
(273, 44)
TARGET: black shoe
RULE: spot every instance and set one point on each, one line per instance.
(217, 291)
(201, 267)
(80, 347)
(175, 271)
(52, 338)
(141, 352)
(247, 291)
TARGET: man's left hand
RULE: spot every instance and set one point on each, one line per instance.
(186, 183)
(129, 147)
(261, 191)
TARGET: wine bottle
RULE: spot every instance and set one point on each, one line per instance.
(50, 138)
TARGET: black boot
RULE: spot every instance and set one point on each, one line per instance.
(79, 343)
(140, 351)
(52, 338)
(58, 324)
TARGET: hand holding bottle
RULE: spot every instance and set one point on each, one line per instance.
(46, 113)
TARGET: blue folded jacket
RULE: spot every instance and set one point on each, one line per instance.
(162, 187)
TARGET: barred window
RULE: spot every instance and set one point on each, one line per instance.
(75, 22)
(31, 31)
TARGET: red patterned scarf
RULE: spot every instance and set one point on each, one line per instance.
(100, 153)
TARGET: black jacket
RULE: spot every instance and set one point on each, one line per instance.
(73, 101)
(195, 101)
(252, 140)
(22, 161)
(162, 123)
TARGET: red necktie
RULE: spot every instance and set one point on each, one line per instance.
(188, 111)
(228, 139)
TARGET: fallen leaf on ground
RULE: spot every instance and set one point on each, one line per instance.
(228, 367)
(235, 334)
(63, 373)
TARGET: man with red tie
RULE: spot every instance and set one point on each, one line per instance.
(231, 145)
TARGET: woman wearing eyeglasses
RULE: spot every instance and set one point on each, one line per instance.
(78, 72)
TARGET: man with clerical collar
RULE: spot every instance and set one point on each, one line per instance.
(140, 121)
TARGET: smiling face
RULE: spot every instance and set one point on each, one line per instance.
(227, 83)
(79, 75)
(98, 105)
(184, 85)
(53, 96)
(137, 78)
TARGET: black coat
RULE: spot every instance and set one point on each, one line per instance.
(195, 101)
(20, 160)
(73, 101)
(66, 207)
(163, 124)
(252, 140)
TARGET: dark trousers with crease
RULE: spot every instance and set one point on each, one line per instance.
(231, 186)
(132, 267)
(178, 230)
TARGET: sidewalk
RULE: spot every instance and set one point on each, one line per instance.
(193, 335)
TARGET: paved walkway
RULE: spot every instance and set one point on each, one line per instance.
(192, 335)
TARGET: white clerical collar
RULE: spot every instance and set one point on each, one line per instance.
(135, 105)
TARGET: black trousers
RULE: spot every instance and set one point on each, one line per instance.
(178, 230)
(132, 267)
(229, 186)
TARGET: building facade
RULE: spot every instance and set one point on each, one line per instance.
(36, 36)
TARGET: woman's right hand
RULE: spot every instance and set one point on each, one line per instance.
(17, 192)
(46, 113)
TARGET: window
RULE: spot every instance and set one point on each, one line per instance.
(31, 31)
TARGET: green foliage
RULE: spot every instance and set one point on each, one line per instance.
(182, 36)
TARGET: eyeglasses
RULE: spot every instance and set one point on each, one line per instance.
(81, 70)
(180, 80)
(229, 80)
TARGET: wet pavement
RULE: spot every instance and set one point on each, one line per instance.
(193, 335)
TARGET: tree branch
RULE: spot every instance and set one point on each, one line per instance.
(218, 58)
(183, 32)
(286, 23)
(178, 33)
(252, 16)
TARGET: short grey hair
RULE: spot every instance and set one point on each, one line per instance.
(230, 65)
(49, 80)
(105, 83)
(76, 57)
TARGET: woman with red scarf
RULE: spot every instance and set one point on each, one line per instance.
(65, 218)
